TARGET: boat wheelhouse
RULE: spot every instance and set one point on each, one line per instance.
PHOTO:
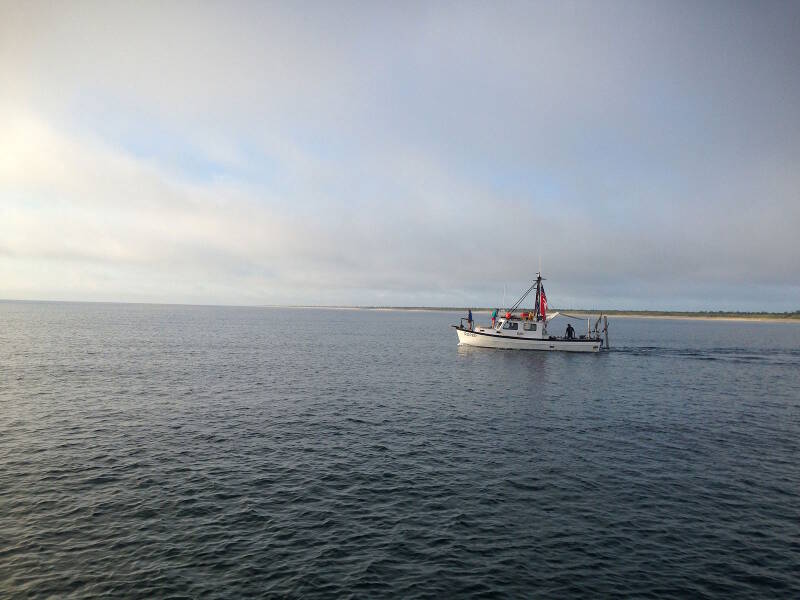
(528, 330)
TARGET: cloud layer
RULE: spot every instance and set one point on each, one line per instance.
(251, 154)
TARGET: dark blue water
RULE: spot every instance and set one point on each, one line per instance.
(152, 451)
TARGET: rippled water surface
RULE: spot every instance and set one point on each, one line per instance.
(151, 451)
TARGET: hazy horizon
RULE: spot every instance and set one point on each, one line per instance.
(243, 154)
(595, 309)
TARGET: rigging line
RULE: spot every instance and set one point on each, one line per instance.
(588, 315)
(518, 302)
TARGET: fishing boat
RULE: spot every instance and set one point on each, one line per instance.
(518, 329)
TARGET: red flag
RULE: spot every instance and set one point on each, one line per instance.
(543, 305)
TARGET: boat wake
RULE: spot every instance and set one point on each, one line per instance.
(779, 357)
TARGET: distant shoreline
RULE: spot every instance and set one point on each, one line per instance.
(793, 317)
(770, 317)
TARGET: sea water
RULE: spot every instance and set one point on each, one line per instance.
(152, 451)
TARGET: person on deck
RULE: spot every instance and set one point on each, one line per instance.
(570, 332)
(494, 316)
(469, 318)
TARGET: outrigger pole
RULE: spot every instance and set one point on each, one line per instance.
(518, 302)
(538, 286)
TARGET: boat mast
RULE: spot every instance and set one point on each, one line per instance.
(538, 296)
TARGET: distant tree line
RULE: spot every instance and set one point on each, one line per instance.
(794, 315)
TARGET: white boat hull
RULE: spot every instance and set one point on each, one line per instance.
(492, 338)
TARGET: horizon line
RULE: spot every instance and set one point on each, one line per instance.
(398, 307)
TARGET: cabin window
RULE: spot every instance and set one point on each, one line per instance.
(529, 326)
(511, 326)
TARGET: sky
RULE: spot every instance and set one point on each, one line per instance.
(645, 154)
